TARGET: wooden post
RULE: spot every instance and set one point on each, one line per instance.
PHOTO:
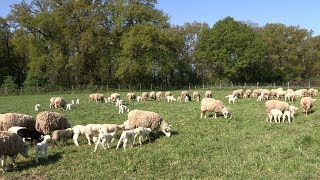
(220, 86)
(288, 85)
(189, 87)
(231, 85)
(274, 85)
(129, 87)
(140, 87)
(107, 87)
(118, 87)
(257, 85)
(309, 84)
(150, 87)
(245, 84)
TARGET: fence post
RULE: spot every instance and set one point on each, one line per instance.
(288, 85)
(129, 87)
(274, 85)
(150, 87)
(203, 86)
(107, 87)
(231, 85)
(257, 85)
(189, 87)
(220, 86)
(195, 87)
(309, 84)
(118, 87)
(245, 84)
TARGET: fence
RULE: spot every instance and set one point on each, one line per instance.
(119, 88)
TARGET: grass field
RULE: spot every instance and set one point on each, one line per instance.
(244, 147)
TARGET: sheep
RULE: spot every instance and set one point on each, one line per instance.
(42, 147)
(80, 129)
(289, 113)
(30, 133)
(187, 98)
(208, 94)
(306, 104)
(123, 108)
(302, 92)
(51, 105)
(91, 97)
(144, 96)
(114, 97)
(104, 139)
(98, 97)
(119, 102)
(11, 144)
(171, 98)
(238, 93)
(72, 102)
(312, 92)
(78, 101)
(184, 94)
(148, 119)
(275, 104)
(142, 133)
(262, 96)
(256, 92)
(61, 135)
(275, 114)
(152, 95)
(159, 96)
(196, 96)
(126, 125)
(59, 102)
(127, 137)
(14, 129)
(108, 128)
(290, 96)
(167, 93)
(49, 121)
(178, 98)
(139, 98)
(36, 107)
(247, 93)
(68, 106)
(131, 96)
(8, 120)
(231, 98)
(215, 106)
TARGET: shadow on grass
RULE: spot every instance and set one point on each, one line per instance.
(31, 163)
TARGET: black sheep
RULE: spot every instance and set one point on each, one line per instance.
(30, 133)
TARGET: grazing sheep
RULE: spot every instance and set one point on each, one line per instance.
(152, 95)
(231, 98)
(144, 96)
(171, 98)
(302, 92)
(215, 106)
(123, 108)
(114, 97)
(238, 93)
(36, 107)
(196, 96)
(184, 94)
(159, 96)
(247, 93)
(187, 98)
(51, 105)
(148, 119)
(290, 96)
(312, 92)
(80, 129)
(256, 93)
(168, 93)
(30, 133)
(139, 98)
(61, 135)
(306, 104)
(127, 137)
(289, 113)
(142, 133)
(275, 104)
(8, 120)
(59, 102)
(49, 121)
(42, 147)
(275, 114)
(104, 140)
(11, 145)
(208, 94)
(131, 96)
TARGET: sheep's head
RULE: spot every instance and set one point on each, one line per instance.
(24, 151)
(225, 112)
(166, 129)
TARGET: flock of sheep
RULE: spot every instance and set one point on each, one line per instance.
(53, 126)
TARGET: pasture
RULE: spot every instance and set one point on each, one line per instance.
(244, 147)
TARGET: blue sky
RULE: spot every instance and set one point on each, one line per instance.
(305, 13)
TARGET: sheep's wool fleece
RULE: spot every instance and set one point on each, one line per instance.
(209, 104)
(15, 119)
(49, 121)
(280, 105)
(10, 143)
(145, 119)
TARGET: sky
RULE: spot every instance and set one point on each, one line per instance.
(302, 13)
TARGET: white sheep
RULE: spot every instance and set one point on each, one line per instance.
(306, 104)
(286, 114)
(68, 106)
(142, 132)
(179, 98)
(171, 98)
(42, 147)
(118, 102)
(231, 98)
(215, 106)
(36, 107)
(72, 101)
(275, 114)
(78, 101)
(123, 108)
(80, 129)
(186, 99)
(139, 98)
(127, 137)
(103, 139)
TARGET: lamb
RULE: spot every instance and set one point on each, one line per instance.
(11, 145)
(131, 96)
(275, 114)
(196, 96)
(289, 113)
(152, 95)
(215, 106)
(168, 93)
(59, 102)
(119, 102)
(256, 92)
(127, 137)
(68, 106)
(231, 98)
(78, 101)
(123, 108)
(8, 120)
(184, 94)
(144, 96)
(290, 96)
(109, 128)
(42, 147)
(159, 96)
(142, 133)
(139, 98)
(61, 135)
(51, 105)
(208, 94)
(187, 98)
(275, 104)
(80, 129)
(306, 104)
(171, 98)
(104, 139)
(30, 133)
(49, 121)
(148, 119)
(36, 107)
(72, 102)
(114, 97)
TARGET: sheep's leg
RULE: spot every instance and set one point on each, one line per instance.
(215, 115)
(96, 146)
(88, 138)
(149, 138)
(75, 137)
(140, 140)
(3, 163)
(125, 143)
(120, 140)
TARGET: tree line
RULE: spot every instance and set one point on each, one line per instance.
(65, 43)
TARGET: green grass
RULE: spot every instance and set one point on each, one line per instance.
(244, 147)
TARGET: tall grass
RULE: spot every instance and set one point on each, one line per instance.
(244, 147)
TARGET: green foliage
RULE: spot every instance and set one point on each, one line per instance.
(8, 86)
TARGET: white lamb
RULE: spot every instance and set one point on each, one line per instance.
(171, 98)
(179, 98)
(123, 108)
(186, 99)
(104, 139)
(139, 98)
(42, 147)
(231, 98)
(80, 129)
(72, 101)
(127, 137)
(289, 113)
(142, 132)
(68, 106)
(78, 101)
(275, 114)
(36, 107)
(118, 102)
